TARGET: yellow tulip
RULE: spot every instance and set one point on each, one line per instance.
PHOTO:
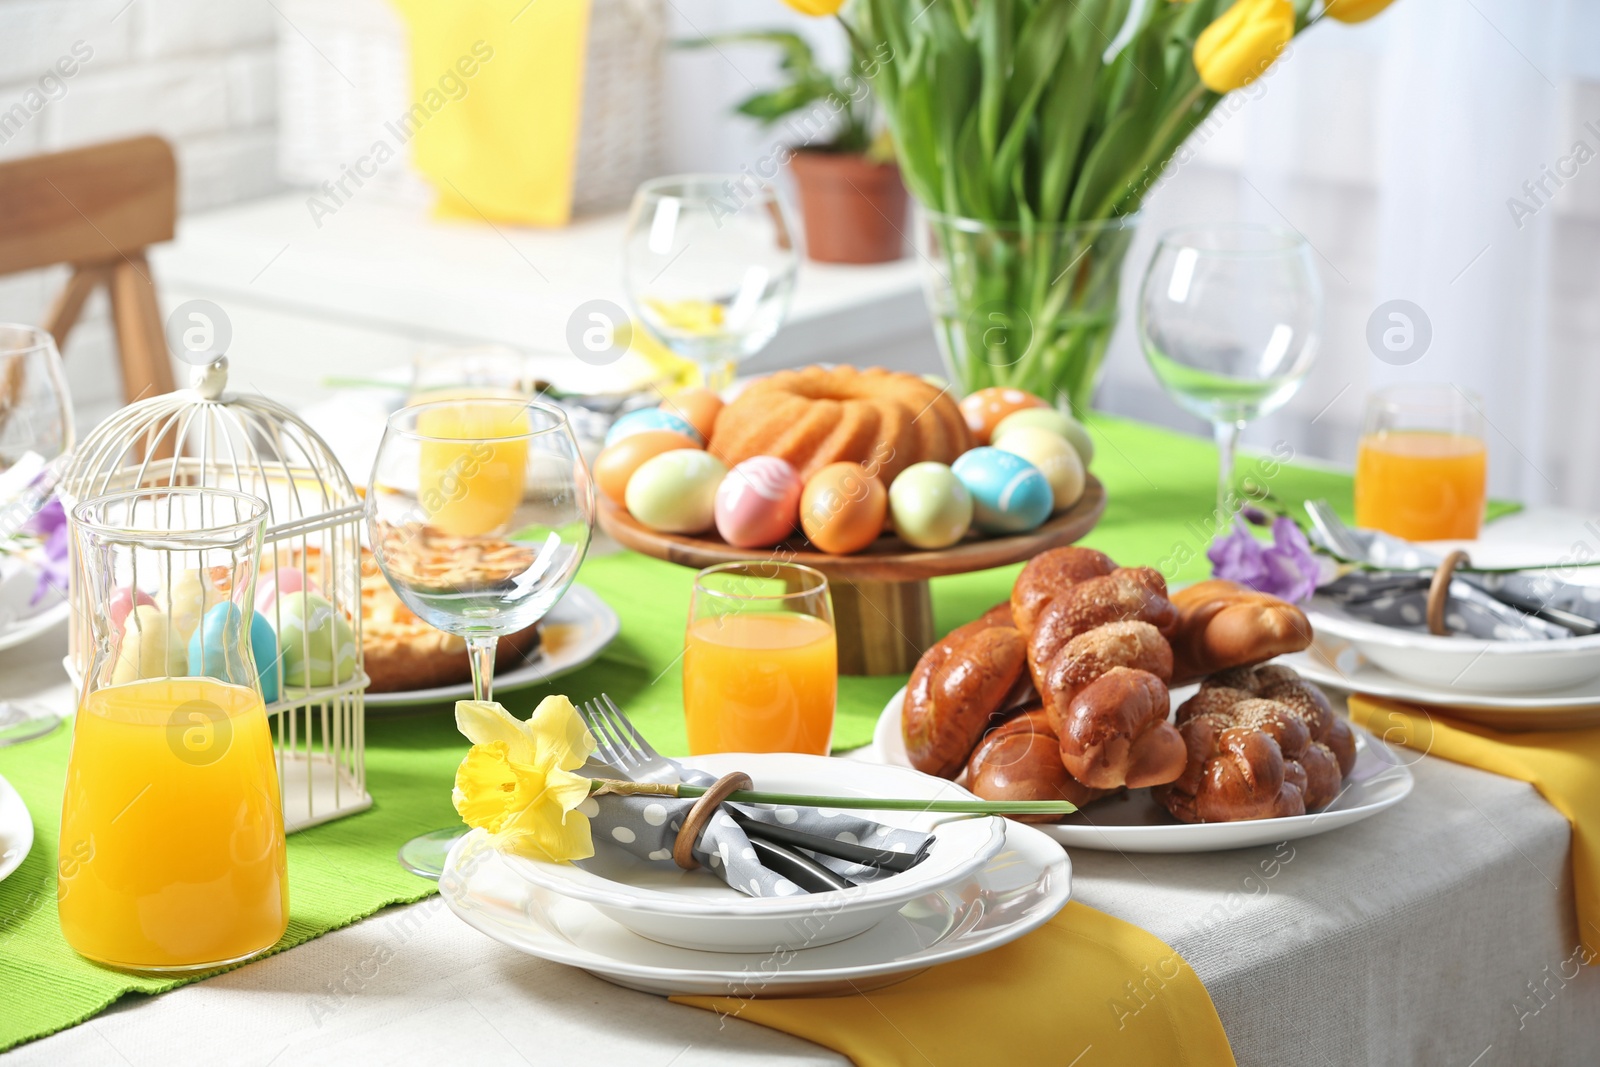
(1353, 10)
(816, 7)
(1242, 43)
(516, 782)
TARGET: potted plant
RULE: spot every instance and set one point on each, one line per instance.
(851, 197)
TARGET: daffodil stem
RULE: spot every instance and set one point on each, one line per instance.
(602, 786)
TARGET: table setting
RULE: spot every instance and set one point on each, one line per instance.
(502, 707)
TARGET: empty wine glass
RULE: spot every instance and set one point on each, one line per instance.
(479, 513)
(709, 264)
(1229, 317)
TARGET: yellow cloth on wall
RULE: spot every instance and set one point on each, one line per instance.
(1084, 988)
(1563, 765)
(498, 90)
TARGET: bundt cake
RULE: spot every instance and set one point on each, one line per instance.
(811, 417)
(1262, 743)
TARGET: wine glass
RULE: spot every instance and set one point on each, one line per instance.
(36, 438)
(1229, 317)
(479, 513)
(709, 264)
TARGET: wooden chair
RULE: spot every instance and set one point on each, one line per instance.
(97, 209)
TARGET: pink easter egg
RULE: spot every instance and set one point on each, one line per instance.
(758, 503)
(281, 582)
(124, 600)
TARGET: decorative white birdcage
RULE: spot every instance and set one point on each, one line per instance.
(312, 548)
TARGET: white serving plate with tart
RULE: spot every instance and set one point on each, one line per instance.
(1135, 822)
(697, 910)
(571, 637)
(1019, 889)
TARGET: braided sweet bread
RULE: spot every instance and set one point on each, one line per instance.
(1262, 743)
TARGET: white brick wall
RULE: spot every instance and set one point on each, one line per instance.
(201, 73)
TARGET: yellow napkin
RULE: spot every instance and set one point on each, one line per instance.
(1085, 988)
(1563, 765)
(498, 90)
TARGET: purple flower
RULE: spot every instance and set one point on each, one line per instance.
(50, 526)
(1286, 568)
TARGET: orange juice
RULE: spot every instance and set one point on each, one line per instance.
(172, 852)
(1421, 485)
(471, 488)
(760, 682)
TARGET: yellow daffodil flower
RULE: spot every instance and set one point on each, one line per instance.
(816, 7)
(1354, 10)
(1242, 43)
(517, 782)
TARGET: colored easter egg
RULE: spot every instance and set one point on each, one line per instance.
(758, 503)
(676, 492)
(930, 506)
(214, 645)
(1009, 494)
(616, 463)
(700, 406)
(984, 409)
(122, 601)
(188, 594)
(652, 419)
(264, 649)
(843, 508)
(1055, 457)
(273, 584)
(149, 648)
(1057, 422)
(316, 643)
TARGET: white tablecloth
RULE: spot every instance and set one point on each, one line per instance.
(1441, 932)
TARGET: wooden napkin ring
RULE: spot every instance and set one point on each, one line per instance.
(1439, 590)
(700, 814)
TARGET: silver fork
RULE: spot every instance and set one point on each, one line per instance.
(620, 744)
(1334, 531)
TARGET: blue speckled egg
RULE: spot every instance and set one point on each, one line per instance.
(652, 419)
(214, 648)
(1009, 494)
(264, 647)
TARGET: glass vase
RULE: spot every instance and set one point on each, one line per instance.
(172, 848)
(1026, 305)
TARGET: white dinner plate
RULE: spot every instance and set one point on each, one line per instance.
(20, 620)
(1135, 822)
(1463, 665)
(16, 830)
(1340, 665)
(697, 910)
(1021, 888)
(573, 635)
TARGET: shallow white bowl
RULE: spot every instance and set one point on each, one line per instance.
(1462, 664)
(696, 910)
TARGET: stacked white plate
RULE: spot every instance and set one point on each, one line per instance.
(649, 926)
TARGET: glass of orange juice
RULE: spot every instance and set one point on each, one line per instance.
(1422, 466)
(172, 851)
(760, 660)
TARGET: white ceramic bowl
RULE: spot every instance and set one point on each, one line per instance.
(696, 910)
(1463, 664)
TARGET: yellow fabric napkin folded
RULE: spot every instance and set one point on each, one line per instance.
(1563, 765)
(499, 90)
(1083, 986)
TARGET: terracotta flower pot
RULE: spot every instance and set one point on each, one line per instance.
(854, 211)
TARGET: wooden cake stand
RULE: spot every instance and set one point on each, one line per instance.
(882, 608)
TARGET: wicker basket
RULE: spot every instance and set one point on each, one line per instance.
(326, 121)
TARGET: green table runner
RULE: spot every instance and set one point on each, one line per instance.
(1160, 488)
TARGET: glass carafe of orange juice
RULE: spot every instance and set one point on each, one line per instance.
(172, 851)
